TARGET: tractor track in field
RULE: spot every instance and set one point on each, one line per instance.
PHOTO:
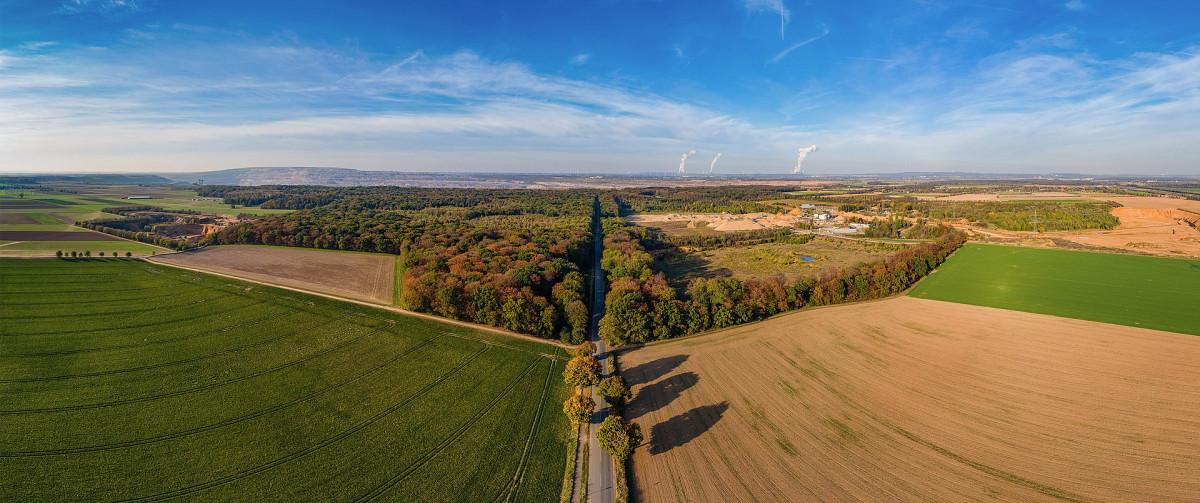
(130, 327)
(142, 344)
(114, 313)
(515, 484)
(399, 477)
(315, 447)
(220, 424)
(189, 390)
(238, 349)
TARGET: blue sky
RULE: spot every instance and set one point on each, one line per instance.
(611, 86)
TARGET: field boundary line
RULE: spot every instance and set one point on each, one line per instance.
(312, 448)
(385, 307)
(178, 362)
(219, 424)
(446, 442)
(192, 390)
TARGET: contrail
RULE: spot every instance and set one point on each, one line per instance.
(714, 163)
(683, 160)
(781, 20)
(800, 157)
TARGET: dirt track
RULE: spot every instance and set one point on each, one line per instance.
(917, 400)
(359, 276)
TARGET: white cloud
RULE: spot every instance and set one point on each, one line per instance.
(580, 59)
(113, 8)
(1075, 5)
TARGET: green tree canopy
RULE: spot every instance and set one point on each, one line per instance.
(618, 436)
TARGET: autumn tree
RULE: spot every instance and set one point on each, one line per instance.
(579, 408)
(618, 436)
(585, 349)
(613, 389)
(582, 372)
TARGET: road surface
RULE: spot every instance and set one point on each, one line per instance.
(601, 488)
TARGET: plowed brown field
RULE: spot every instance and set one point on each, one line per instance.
(916, 400)
(360, 276)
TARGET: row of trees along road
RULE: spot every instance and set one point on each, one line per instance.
(616, 435)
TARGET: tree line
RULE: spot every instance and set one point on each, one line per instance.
(641, 306)
(499, 257)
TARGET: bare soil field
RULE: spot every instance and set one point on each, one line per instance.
(916, 400)
(1155, 225)
(361, 276)
(55, 236)
(17, 219)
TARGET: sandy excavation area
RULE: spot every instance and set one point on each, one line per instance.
(721, 221)
(361, 276)
(917, 400)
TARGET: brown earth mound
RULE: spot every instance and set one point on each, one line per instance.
(917, 400)
(360, 276)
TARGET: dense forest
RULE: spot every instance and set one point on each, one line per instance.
(506, 258)
(728, 199)
(641, 306)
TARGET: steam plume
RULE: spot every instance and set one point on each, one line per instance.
(714, 162)
(683, 159)
(800, 157)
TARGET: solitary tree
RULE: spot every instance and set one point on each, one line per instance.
(614, 389)
(582, 371)
(101, 254)
(618, 436)
(579, 408)
(87, 253)
(73, 254)
(58, 254)
(585, 349)
(128, 254)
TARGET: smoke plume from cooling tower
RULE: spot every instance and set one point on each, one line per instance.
(800, 157)
(714, 162)
(683, 159)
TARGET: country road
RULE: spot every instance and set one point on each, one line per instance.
(601, 488)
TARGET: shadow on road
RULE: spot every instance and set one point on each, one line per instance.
(681, 429)
(660, 394)
(649, 371)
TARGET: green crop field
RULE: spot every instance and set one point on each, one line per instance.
(1148, 292)
(121, 380)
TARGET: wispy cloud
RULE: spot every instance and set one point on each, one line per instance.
(580, 59)
(112, 8)
(784, 53)
(1075, 5)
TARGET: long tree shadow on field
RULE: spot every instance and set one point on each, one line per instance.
(649, 371)
(685, 427)
(660, 394)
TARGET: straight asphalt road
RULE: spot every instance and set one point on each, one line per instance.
(600, 487)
